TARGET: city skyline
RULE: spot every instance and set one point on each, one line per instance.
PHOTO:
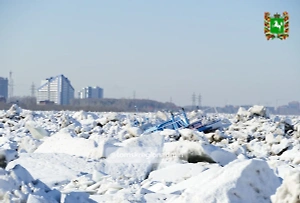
(155, 50)
(196, 100)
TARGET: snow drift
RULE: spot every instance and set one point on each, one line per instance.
(103, 157)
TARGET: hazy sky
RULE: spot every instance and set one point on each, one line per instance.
(159, 49)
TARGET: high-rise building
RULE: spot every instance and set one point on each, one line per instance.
(294, 105)
(91, 92)
(4, 88)
(55, 89)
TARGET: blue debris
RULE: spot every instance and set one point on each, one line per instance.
(181, 121)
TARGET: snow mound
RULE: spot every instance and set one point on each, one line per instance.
(112, 116)
(75, 146)
(176, 173)
(135, 160)
(53, 169)
(14, 111)
(289, 191)
(243, 114)
(80, 115)
(17, 185)
(71, 155)
(8, 151)
(259, 110)
(191, 135)
(78, 197)
(133, 132)
(239, 181)
(7, 155)
(194, 152)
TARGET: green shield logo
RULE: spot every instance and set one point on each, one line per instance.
(277, 25)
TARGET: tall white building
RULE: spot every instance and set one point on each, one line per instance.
(91, 92)
(56, 89)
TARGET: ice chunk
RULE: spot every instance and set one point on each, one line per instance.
(14, 110)
(63, 142)
(289, 191)
(136, 159)
(239, 181)
(78, 197)
(53, 169)
(197, 152)
(178, 172)
(18, 185)
(259, 110)
(36, 131)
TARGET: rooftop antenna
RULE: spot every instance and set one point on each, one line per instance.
(11, 85)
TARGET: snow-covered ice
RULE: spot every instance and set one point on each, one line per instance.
(105, 157)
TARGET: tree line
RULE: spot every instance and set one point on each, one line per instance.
(96, 105)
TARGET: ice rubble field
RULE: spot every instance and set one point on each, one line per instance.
(103, 157)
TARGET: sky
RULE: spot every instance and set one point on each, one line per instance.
(161, 50)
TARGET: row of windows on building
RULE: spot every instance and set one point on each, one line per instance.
(58, 90)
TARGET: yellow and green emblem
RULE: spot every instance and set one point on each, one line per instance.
(276, 26)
